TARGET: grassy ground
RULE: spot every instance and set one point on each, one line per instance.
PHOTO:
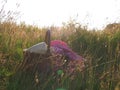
(101, 49)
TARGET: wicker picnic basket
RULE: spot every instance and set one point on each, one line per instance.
(48, 62)
(33, 62)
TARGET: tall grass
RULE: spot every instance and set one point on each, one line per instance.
(13, 39)
(101, 50)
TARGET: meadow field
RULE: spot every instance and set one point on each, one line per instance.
(100, 48)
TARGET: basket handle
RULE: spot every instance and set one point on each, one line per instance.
(48, 40)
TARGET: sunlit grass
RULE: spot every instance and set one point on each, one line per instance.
(100, 49)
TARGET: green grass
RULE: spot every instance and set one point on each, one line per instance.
(101, 49)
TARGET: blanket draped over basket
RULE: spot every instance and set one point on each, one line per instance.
(51, 56)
